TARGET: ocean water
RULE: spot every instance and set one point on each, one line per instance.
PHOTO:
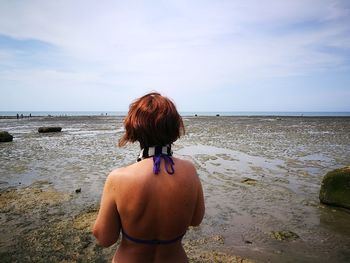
(259, 174)
(185, 113)
(62, 113)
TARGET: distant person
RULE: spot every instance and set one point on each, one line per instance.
(17, 116)
(22, 116)
(153, 201)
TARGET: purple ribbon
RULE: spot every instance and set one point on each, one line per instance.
(169, 163)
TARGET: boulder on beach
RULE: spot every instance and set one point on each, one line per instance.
(5, 136)
(335, 188)
(49, 129)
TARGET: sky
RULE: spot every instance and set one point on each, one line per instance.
(249, 55)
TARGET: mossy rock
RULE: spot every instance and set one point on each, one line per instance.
(284, 235)
(335, 188)
(49, 129)
(5, 136)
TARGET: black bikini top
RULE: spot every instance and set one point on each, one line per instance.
(159, 152)
(152, 241)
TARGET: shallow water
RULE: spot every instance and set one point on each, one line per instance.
(259, 174)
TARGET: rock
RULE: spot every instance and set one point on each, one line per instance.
(5, 136)
(217, 115)
(249, 181)
(335, 188)
(284, 235)
(49, 129)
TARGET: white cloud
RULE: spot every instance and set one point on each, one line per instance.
(178, 46)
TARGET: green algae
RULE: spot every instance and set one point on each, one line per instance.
(31, 232)
(204, 250)
(335, 188)
(284, 235)
(37, 228)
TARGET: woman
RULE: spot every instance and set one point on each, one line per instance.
(153, 201)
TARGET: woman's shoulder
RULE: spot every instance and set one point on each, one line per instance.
(185, 166)
(186, 163)
(119, 172)
(122, 172)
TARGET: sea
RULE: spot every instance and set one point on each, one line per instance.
(261, 173)
(185, 113)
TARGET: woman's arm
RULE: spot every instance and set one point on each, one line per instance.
(107, 225)
(200, 207)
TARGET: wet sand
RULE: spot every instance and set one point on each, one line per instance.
(35, 228)
(261, 178)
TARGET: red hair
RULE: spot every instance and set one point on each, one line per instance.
(152, 120)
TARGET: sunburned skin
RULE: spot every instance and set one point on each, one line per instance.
(149, 206)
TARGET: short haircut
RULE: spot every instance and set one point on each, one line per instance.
(152, 120)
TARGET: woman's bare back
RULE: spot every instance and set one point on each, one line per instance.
(156, 206)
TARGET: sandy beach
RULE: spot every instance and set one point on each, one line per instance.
(261, 178)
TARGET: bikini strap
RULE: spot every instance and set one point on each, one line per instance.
(159, 152)
(152, 241)
(169, 163)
